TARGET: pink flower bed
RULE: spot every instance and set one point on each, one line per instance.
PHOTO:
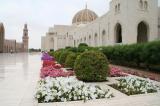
(150, 76)
(47, 63)
(51, 68)
(117, 72)
(53, 72)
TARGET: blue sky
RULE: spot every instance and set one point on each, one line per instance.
(41, 14)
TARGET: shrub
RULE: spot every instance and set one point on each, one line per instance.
(151, 53)
(63, 56)
(70, 60)
(73, 49)
(57, 54)
(82, 45)
(91, 66)
(144, 55)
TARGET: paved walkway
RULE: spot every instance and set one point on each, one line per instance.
(19, 74)
(18, 77)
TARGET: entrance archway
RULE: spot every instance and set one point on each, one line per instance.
(142, 31)
(118, 33)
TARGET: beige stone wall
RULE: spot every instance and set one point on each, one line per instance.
(12, 45)
(103, 31)
(128, 16)
(19, 47)
(9, 45)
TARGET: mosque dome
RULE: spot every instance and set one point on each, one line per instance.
(84, 16)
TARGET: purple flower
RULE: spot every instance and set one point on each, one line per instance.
(46, 56)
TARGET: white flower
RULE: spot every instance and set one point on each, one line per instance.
(65, 89)
(136, 85)
(38, 96)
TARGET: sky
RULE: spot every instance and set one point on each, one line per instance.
(42, 14)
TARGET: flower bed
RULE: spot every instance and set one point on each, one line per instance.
(54, 72)
(117, 72)
(47, 63)
(46, 56)
(141, 74)
(68, 89)
(132, 85)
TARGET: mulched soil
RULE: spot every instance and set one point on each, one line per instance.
(140, 72)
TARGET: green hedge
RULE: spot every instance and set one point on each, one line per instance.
(91, 66)
(144, 55)
(57, 54)
(63, 56)
(70, 60)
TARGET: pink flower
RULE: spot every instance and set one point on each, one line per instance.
(47, 63)
(53, 72)
(116, 72)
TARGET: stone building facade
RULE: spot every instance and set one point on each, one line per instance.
(8, 45)
(126, 22)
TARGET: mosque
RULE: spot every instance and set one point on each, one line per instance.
(126, 22)
(8, 45)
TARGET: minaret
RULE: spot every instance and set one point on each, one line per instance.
(2, 36)
(86, 5)
(25, 38)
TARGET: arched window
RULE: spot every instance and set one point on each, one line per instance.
(118, 33)
(118, 7)
(90, 40)
(145, 5)
(141, 4)
(85, 39)
(77, 42)
(52, 43)
(74, 43)
(103, 37)
(142, 32)
(96, 39)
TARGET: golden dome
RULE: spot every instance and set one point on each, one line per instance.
(84, 16)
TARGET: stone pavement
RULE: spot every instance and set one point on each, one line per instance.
(19, 74)
(18, 77)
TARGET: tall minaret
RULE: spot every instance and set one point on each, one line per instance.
(25, 38)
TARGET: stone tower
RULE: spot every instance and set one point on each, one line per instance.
(1, 37)
(25, 38)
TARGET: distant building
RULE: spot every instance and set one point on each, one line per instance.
(7, 45)
(126, 22)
